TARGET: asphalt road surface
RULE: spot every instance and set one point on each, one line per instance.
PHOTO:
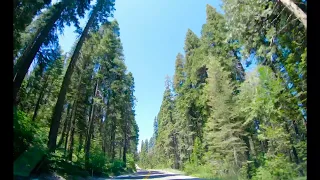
(154, 174)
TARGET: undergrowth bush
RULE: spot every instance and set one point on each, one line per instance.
(131, 167)
(28, 133)
(57, 163)
(23, 132)
(201, 171)
(277, 167)
(116, 167)
(98, 162)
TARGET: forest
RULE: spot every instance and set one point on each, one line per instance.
(218, 120)
(74, 112)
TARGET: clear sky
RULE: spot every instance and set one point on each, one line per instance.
(152, 33)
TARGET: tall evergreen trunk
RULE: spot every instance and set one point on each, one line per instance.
(110, 146)
(294, 151)
(90, 129)
(103, 134)
(40, 98)
(235, 156)
(120, 149)
(88, 143)
(68, 128)
(32, 7)
(73, 123)
(176, 153)
(25, 61)
(251, 144)
(104, 146)
(113, 132)
(125, 140)
(248, 155)
(17, 60)
(124, 153)
(56, 116)
(20, 22)
(48, 94)
(71, 144)
(63, 134)
(296, 130)
(67, 138)
(80, 142)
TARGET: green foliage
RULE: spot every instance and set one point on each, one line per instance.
(131, 166)
(196, 153)
(57, 163)
(219, 122)
(214, 121)
(98, 147)
(276, 168)
(191, 168)
(23, 132)
(116, 167)
(98, 162)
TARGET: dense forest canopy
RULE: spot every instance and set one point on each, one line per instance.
(74, 112)
(216, 120)
(77, 109)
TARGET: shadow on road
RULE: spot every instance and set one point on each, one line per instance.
(154, 175)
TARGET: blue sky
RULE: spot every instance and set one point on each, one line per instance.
(152, 33)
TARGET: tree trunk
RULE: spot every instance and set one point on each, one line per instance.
(73, 124)
(26, 59)
(103, 147)
(120, 150)
(251, 146)
(39, 99)
(235, 156)
(113, 140)
(70, 148)
(25, 50)
(80, 142)
(88, 144)
(68, 129)
(90, 129)
(63, 134)
(125, 140)
(294, 151)
(176, 155)
(65, 85)
(124, 153)
(296, 130)
(48, 94)
(296, 11)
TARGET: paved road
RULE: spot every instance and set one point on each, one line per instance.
(145, 174)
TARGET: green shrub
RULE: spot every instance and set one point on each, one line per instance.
(57, 163)
(189, 168)
(243, 172)
(116, 167)
(277, 167)
(98, 162)
(263, 174)
(131, 167)
(201, 171)
(23, 132)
